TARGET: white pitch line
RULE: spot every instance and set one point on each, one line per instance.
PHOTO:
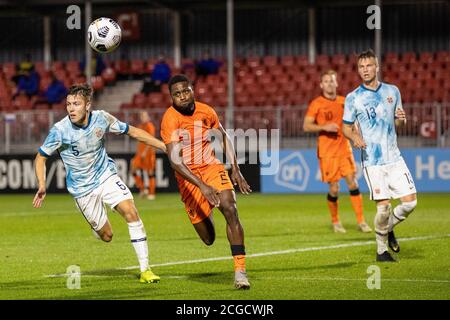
(270, 253)
(356, 279)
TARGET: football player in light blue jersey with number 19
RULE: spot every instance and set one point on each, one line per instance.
(376, 107)
(91, 175)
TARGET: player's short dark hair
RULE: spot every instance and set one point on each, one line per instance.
(82, 89)
(366, 54)
(176, 79)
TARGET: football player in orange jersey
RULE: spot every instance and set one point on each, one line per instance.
(202, 179)
(334, 152)
(143, 163)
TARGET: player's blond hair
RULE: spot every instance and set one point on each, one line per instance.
(82, 89)
(329, 72)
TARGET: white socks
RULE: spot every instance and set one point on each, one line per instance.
(381, 223)
(139, 240)
(401, 212)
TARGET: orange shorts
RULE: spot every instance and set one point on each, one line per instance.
(334, 169)
(147, 163)
(197, 206)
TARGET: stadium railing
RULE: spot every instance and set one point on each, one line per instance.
(428, 125)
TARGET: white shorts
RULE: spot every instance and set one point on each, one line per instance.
(390, 181)
(111, 193)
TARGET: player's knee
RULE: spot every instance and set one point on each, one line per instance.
(407, 208)
(382, 215)
(334, 189)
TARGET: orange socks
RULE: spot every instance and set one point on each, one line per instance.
(138, 181)
(333, 206)
(238, 252)
(357, 204)
(239, 263)
(151, 184)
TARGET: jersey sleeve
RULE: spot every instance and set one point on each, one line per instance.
(313, 110)
(398, 100)
(349, 110)
(114, 125)
(51, 143)
(214, 119)
(169, 129)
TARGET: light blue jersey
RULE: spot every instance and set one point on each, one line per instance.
(82, 150)
(374, 111)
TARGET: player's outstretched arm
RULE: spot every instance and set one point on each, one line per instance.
(353, 136)
(40, 170)
(236, 176)
(176, 162)
(146, 138)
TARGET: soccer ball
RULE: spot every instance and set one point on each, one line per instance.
(104, 35)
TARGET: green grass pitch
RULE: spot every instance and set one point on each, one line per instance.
(300, 257)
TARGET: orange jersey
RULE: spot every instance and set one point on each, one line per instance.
(145, 155)
(191, 131)
(326, 111)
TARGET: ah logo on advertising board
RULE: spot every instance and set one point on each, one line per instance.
(299, 172)
(293, 172)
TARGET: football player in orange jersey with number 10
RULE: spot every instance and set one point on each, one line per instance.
(334, 152)
(202, 179)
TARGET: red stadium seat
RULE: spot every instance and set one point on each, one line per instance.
(443, 56)
(242, 100)
(56, 65)
(302, 61)
(253, 62)
(22, 102)
(426, 57)
(265, 79)
(44, 83)
(276, 71)
(124, 106)
(156, 100)
(323, 61)
(41, 106)
(253, 89)
(109, 75)
(213, 79)
(270, 61)
(121, 66)
(409, 57)
(289, 87)
(259, 70)
(202, 88)
(59, 106)
(248, 79)
(287, 61)
(221, 101)
(282, 79)
(9, 69)
(139, 100)
(338, 60)
(97, 83)
(391, 58)
(137, 67)
(219, 89)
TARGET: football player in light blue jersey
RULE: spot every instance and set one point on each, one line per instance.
(376, 108)
(91, 175)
